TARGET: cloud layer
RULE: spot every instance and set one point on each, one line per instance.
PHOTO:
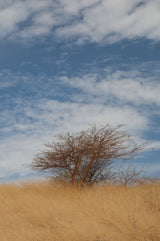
(115, 97)
(85, 20)
(125, 86)
(24, 138)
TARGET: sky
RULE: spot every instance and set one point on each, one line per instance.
(65, 64)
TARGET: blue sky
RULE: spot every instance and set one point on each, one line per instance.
(67, 63)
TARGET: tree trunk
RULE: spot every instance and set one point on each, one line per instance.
(85, 173)
(73, 180)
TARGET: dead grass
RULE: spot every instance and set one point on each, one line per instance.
(51, 212)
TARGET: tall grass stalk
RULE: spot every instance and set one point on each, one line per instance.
(45, 211)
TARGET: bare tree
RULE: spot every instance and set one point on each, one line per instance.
(126, 174)
(87, 156)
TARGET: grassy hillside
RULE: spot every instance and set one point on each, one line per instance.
(50, 212)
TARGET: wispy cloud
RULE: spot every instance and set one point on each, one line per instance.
(125, 86)
(155, 145)
(6, 79)
(115, 20)
(52, 114)
(95, 21)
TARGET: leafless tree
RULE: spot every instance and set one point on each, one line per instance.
(86, 157)
(127, 175)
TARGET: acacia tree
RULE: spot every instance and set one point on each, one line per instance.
(86, 157)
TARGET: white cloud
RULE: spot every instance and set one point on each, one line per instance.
(126, 86)
(6, 79)
(155, 145)
(77, 116)
(91, 20)
(14, 13)
(115, 20)
(71, 116)
(11, 15)
(16, 152)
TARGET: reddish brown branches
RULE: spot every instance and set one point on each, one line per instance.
(86, 157)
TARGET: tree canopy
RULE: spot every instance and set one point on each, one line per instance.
(86, 157)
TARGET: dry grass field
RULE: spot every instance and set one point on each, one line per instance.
(52, 212)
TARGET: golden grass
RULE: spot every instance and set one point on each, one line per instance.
(52, 212)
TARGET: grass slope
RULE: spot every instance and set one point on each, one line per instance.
(52, 212)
